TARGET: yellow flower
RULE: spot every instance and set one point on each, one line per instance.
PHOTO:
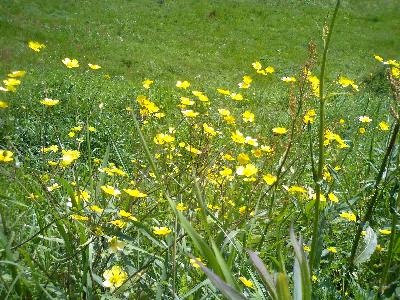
(93, 67)
(227, 156)
(383, 126)
(288, 79)
(267, 149)
(250, 141)
(115, 244)
(49, 102)
(193, 149)
(345, 82)
(257, 65)
(182, 84)
(36, 46)
(96, 209)
(209, 130)
(11, 84)
(186, 101)
(236, 96)
(52, 148)
(364, 119)
(147, 83)
(296, 189)
(224, 112)
(223, 92)
(379, 248)
(189, 113)
(70, 63)
(349, 216)
(135, 193)
(91, 129)
(16, 74)
(110, 190)
(79, 217)
(248, 116)
(181, 207)
(243, 158)
(114, 277)
(307, 248)
(332, 249)
(246, 282)
(162, 138)
(266, 71)
(342, 121)
(248, 170)
(69, 156)
(309, 117)
(3, 104)
(127, 215)
(53, 187)
(385, 231)
(194, 263)
(378, 58)
(395, 72)
(279, 130)
(270, 179)
(361, 130)
(161, 231)
(238, 137)
(226, 172)
(6, 156)
(333, 197)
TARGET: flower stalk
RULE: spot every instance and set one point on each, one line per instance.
(321, 154)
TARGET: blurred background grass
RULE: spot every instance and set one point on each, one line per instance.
(213, 42)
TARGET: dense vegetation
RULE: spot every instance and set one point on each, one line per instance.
(180, 149)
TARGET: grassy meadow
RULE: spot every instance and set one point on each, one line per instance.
(199, 149)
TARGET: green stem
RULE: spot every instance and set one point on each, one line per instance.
(389, 258)
(373, 200)
(321, 140)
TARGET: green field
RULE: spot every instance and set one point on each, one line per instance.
(220, 183)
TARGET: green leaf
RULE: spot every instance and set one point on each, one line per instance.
(370, 242)
(282, 287)
(228, 291)
(265, 275)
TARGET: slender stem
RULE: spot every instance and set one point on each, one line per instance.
(321, 139)
(373, 199)
(389, 258)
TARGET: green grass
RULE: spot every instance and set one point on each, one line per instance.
(46, 254)
(205, 42)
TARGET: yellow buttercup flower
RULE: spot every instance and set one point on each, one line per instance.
(296, 189)
(36, 46)
(93, 67)
(288, 79)
(279, 130)
(181, 207)
(49, 102)
(147, 83)
(345, 82)
(127, 215)
(237, 96)
(248, 116)
(209, 130)
(194, 263)
(246, 282)
(383, 126)
(161, 231)
(189, 113)
(3, 104)
(270, 179)
(16, 74)
(69, 156)
(70, 63)
(349, 216)
(332, 249)
(364, 119)
(247, 170)
(238, 137)
(135, 193)
(385, 231)
(110, 190)
(114, 277)
(182, 84)
(6, 156)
